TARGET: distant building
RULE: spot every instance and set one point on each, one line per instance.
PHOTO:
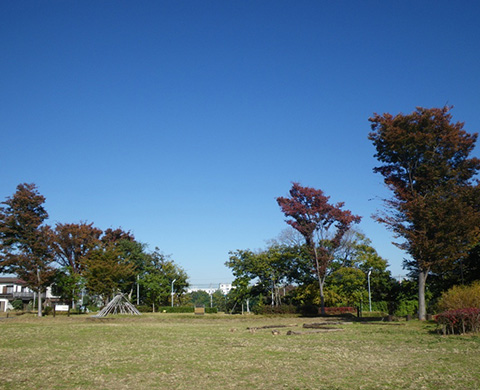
(223, 287)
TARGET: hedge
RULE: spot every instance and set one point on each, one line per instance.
(185, 309)
(339, 310)
(459, 321)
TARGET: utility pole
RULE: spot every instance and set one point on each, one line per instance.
(369, 295)
(138, 291)
(173, 281)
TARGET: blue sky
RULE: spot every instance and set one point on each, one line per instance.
(182, 121)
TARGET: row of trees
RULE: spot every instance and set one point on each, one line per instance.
(285, 273)
(434, 213)
(77, 258)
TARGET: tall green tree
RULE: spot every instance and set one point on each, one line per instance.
(263, 272)
(425, 161)
(156, 279)
(25, 241)
(347, 283)
(321, 224)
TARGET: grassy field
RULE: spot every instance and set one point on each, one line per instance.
(168, 351)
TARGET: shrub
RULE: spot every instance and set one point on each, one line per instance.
(17, 304)
(47, 310)
(339, 310)
(380, 306)
(406, 307)
(459, 321)
(282, 309)
(144, 308)
(176, 309)
(309, 310)
(460, 297)
(211, 310)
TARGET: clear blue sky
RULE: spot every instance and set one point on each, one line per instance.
(182, 121)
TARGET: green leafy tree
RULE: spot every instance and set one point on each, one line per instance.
(156, 278)
(136, 253)
(219, 300)
(67, 284)
(263, 272)
(426, 164)
(200, 297)
(349, 286)
(107, 272)
(25, 241)
(359, 253)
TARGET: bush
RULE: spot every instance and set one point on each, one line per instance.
(406, 307)
(17, 304)
(144, 308)
(176, 309)
(335, 311)
(459, 321)
(47, 310)
(309, 310)
(460, 297)
(282, 309)
(381, 306)
(211, 310)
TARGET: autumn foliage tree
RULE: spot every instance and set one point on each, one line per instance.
(72, 244)
(320, 223)
(108, 272)
(426, 164)
(25, 241)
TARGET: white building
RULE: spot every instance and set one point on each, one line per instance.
(12, 288)
(223, 287)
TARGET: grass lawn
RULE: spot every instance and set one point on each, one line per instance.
(173, 351)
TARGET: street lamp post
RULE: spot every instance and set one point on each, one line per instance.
(173, 281)
(369, 295)
(138, 291)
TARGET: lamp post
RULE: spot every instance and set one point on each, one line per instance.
(138, 291)
(369, 295)
(173, 281)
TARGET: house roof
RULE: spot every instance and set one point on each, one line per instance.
(11, 280)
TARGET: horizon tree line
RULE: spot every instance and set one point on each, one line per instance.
(434, 213)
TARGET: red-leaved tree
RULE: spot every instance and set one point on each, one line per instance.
(320, 223)
(426, 163)
(25, 241)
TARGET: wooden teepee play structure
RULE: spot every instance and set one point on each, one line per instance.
(118, 305)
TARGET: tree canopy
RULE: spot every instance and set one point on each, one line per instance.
(25, 241)
(321, 224)
(425, 161)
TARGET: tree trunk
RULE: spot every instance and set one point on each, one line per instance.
(321, 282)
(39, 293)
(422, 310)
(39, 303)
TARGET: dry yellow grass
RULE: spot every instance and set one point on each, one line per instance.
(167, 351)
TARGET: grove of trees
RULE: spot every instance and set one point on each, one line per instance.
(321, 261)
(434, 213)
(79, 259)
